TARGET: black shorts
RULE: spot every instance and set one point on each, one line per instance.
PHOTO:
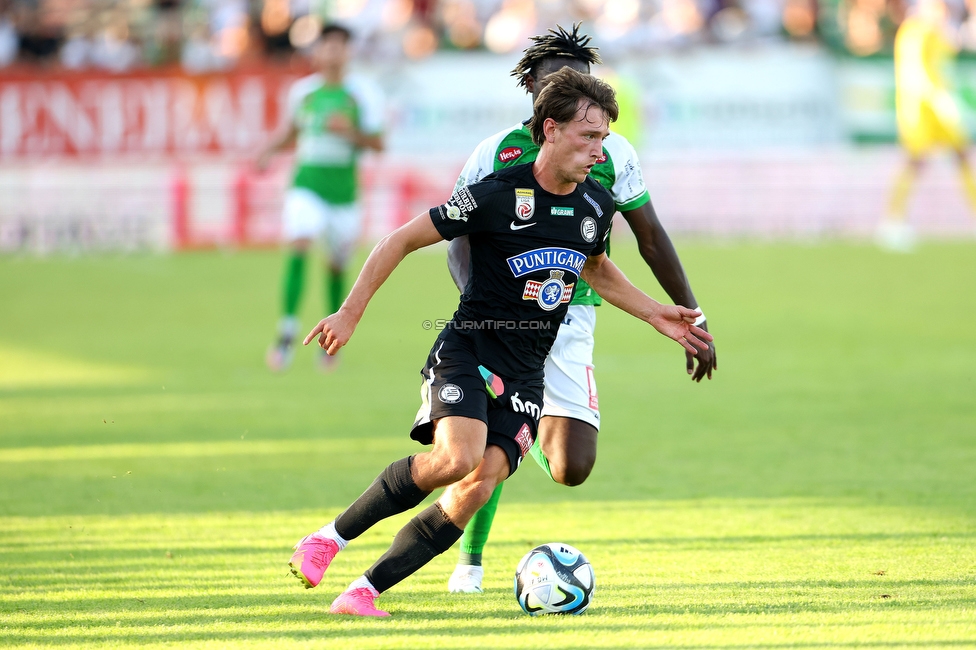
(455, 383)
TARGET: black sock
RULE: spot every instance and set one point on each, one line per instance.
(391, 493)
(423, 538)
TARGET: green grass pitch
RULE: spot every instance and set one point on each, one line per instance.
(820, 492)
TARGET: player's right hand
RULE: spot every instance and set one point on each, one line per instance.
(677, 322)
(333, 332)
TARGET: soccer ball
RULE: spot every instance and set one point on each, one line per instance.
(554, 579)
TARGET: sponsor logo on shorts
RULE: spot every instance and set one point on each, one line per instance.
(550, 293)
(544, 259)
(524, 439)
(588, 229)
(524, 203)
(450, 394)
(560, 212)
(525, 406)
(592, 201)
(493, 382)
(508, 154)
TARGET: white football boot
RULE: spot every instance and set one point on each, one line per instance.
(466, 579)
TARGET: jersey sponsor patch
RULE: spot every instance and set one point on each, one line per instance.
(524, 203)
(588, 229)
(544, 259)
(450, 394)
(561, 212)
(508, 154)
(549, 293)
(596, 206)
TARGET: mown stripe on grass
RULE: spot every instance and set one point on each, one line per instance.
(195, 449)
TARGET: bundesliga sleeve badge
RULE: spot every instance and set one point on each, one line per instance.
(549, 293)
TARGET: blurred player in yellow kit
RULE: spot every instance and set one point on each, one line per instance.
(928, 116)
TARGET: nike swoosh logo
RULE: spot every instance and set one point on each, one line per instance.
(514, 227)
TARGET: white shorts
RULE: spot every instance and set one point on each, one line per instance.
(570, 385)
(307, 216)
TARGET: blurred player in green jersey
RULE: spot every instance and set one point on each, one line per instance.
(332, 117)
(567, 440)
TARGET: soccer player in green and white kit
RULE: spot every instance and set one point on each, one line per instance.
(567, 440)
(333, 116)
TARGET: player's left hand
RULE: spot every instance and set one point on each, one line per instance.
(707, 360)
(677, 322)
(333, 331)
(342, 126)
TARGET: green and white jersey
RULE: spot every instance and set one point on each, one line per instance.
(619, 172)
(325, 162)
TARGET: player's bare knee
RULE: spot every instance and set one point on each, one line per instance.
(300, 245)
(568, 477)
(480, 491)
(454, 467)
(572, 470)
(576, 474)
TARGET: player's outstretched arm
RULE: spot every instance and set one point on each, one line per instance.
(335, 331)
(674, 321)
(658, 252)
(282, 139)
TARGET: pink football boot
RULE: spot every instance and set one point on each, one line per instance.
(312, 557)
(358, 602)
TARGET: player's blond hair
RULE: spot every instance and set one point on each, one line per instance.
(560, 100)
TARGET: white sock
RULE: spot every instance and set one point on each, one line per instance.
(360, 583)
(328, 531)
(288, 327)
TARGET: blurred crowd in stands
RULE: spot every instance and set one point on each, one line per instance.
(209, 35)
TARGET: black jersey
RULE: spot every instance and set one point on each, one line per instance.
(528, 248)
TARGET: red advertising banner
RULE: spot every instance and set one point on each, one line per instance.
(45, 115)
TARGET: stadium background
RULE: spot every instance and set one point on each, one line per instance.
(132, 125)
(819, 492)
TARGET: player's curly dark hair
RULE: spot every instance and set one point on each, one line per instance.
(557, 43)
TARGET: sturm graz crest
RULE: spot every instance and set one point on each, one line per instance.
(549, 293)
(588, 229)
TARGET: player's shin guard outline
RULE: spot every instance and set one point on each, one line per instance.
(423, 538)
(393, 492)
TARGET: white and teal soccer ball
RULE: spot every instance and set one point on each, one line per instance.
(554, 579)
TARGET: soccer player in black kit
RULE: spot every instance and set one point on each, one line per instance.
(534, 230)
